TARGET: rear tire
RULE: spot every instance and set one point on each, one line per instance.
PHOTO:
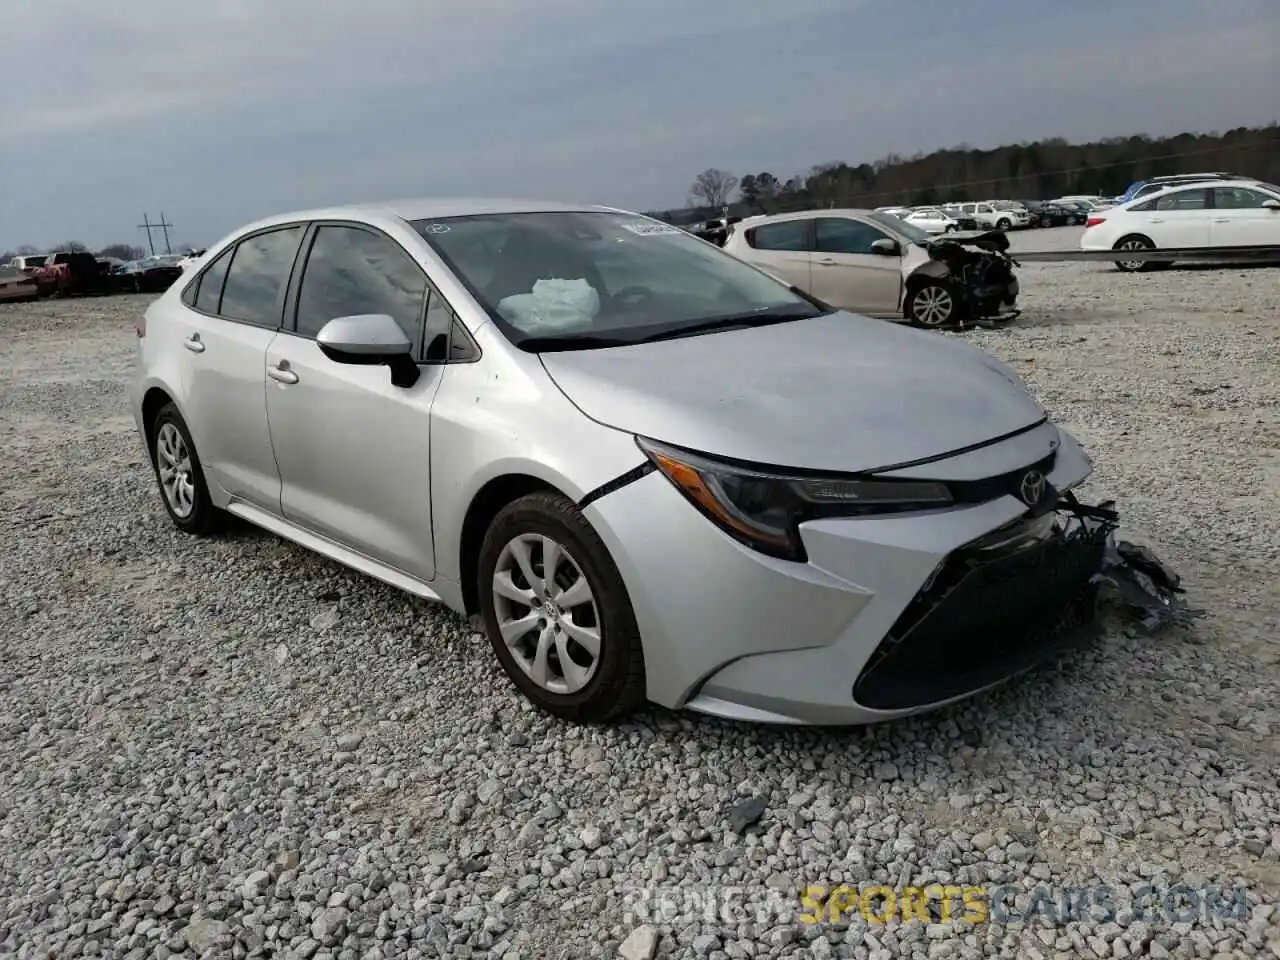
(543, 628)
(1134, 241)
(180, 475)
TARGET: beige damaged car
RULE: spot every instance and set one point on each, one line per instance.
(873, 263)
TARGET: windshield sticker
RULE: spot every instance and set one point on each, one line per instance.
(646, 229)
(437, 228)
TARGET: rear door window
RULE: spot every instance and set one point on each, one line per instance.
(792, 235)
(1184, 200)
(208, 292)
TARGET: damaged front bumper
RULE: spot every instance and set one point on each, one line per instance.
(990, 610)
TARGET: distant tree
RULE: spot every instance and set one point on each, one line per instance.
(70, 246)
(27, 250)
(122, 251)
(1038, 169)
(713, 188)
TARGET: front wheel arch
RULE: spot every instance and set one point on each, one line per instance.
(485, 506)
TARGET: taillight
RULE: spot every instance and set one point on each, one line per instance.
(1094, 221)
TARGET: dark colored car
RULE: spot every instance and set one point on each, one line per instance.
(70, 274)
(1046, 214)
(148, 275)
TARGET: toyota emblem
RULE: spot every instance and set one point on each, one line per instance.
(1032, 487)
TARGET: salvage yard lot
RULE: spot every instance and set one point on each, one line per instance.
(231, 744)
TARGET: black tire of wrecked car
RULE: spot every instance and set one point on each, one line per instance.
(918, 285)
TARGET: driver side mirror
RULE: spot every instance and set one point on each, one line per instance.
(885, 247)
(1271, 204)
(370, 339)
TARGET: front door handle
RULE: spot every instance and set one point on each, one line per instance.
(1222, 220)
(193, 343)
(828, 263)
(281, 373)
(1156, 220)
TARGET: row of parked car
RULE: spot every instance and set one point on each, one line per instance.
(999, 214)
(68, 273)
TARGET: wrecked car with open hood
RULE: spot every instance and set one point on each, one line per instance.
(880, 266)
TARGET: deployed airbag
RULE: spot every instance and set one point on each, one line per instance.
(553, 306)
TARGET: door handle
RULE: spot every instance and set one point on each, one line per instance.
(281, 373)
(1156, 220)
(193, 343)
(1221, 219)
(828, 263)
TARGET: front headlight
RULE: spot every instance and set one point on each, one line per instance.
(763, 510)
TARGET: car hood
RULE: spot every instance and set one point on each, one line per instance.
(838, 392)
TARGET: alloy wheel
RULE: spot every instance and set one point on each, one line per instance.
(932, 306)
(1133, 244)
(546, 613)
(173, 463)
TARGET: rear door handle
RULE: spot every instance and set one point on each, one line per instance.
(281, 373)
(828, 263)
(193, 343)
(1222, 220)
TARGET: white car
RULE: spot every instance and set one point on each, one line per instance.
(1238, 213)
(988, 216)
(932, 220)
(878, 265)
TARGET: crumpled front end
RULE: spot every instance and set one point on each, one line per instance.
(1012, 599)
(981, 276)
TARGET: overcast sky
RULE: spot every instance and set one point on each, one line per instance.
(220, 112)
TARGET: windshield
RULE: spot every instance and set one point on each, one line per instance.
(900, 226)
(579, 277)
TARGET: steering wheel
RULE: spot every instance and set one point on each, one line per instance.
(634, 292)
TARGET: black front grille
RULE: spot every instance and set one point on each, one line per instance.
(985, 616)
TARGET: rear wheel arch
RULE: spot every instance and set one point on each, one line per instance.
(153, 401)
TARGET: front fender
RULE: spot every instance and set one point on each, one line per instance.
(504, 417)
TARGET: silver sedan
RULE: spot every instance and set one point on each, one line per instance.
(648, 469)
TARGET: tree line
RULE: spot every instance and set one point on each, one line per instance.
(1039, 170)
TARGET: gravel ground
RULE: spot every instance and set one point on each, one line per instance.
(232, 747)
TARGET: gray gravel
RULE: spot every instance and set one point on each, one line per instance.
(234, 748)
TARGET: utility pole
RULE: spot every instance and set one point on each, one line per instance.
(163, 225)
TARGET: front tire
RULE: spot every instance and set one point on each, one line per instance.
(557, 613)
(932, 305)
(1003, 224)
(180, 475)
(1134, 242)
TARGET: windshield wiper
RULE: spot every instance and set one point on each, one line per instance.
(579, 342)
(755, 319)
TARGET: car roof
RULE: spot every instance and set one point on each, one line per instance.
(425, 208)
(1201, 185)
(805, 215)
